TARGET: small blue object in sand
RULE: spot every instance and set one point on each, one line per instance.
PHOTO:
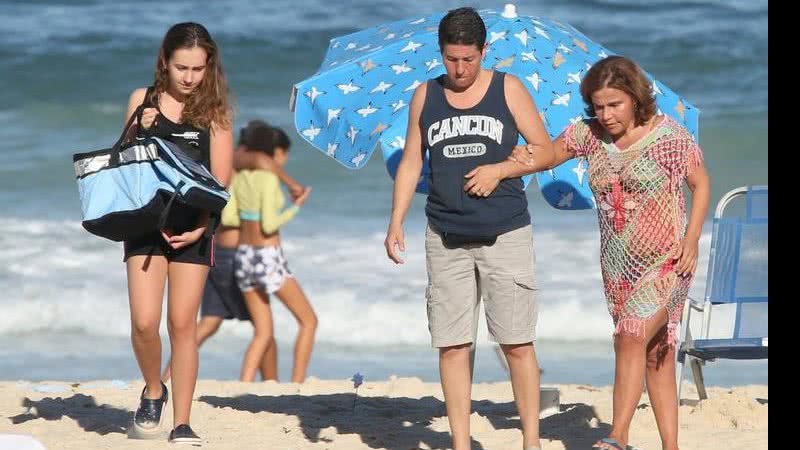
(50, 388)
(119, 384)
(113, 384)
(357, 380)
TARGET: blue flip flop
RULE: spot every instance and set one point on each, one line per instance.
(611, 442)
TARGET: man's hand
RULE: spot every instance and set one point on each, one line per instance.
(395, 240)
(483, 180)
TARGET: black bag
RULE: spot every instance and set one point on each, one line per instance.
(453, 240)
(128, 190)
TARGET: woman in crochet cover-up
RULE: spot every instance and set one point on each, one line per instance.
(638, 162)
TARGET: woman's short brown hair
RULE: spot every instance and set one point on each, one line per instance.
(621, 73)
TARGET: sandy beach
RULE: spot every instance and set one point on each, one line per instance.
(395, 414)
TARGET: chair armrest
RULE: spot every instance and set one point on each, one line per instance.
(694, 303)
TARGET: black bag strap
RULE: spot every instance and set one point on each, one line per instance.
(162, 221)
(213, 223)
(146, 103)
(137, 116)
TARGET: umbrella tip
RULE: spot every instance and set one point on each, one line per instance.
(293, 99)
(510, 11)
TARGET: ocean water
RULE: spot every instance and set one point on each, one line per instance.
(67, 71)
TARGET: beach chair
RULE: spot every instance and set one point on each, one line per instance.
(737, 277)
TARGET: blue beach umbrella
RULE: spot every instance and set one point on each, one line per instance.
(359, 97)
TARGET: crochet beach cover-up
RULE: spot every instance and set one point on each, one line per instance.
(642, 216)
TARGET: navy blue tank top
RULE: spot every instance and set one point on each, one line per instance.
(459, 140)
(195, 142)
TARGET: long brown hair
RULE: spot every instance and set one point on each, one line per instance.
(208, 104)
(620, 73)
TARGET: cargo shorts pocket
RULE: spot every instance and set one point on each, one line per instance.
(525, 301)
(430, 300)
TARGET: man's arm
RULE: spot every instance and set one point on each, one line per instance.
(405, 181)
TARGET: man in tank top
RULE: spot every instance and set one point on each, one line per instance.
(479, 241)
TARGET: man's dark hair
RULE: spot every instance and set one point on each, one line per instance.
(462, 26)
